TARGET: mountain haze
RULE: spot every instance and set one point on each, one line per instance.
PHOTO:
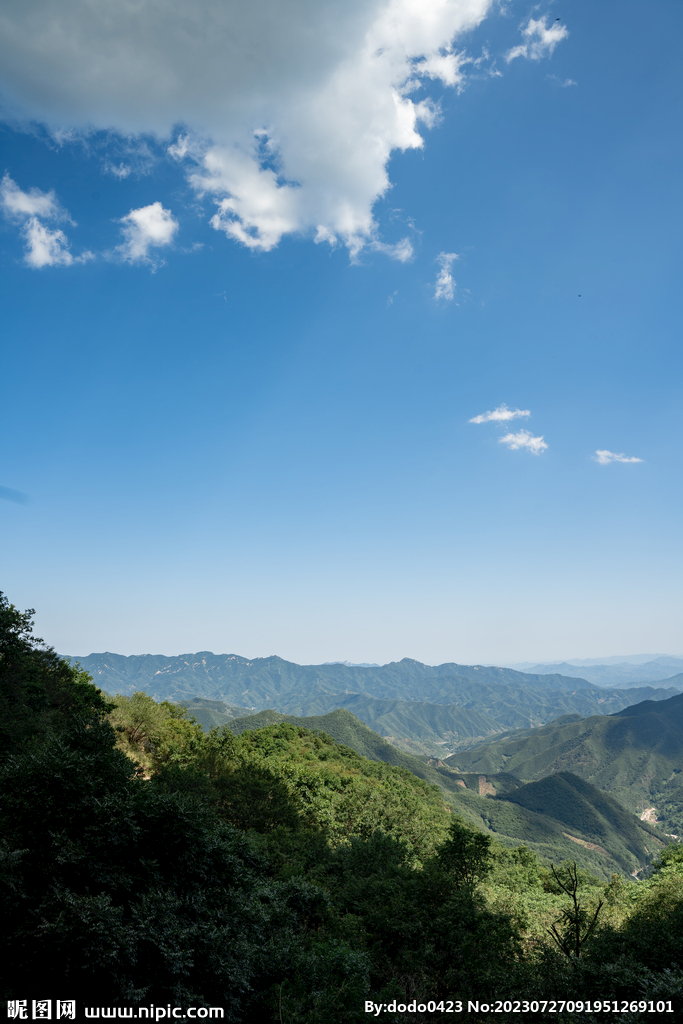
(622, 674)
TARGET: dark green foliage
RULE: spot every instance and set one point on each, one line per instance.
(669, 809)
(112, 874)
(332, 788)
(253, 796)
(643, 955)
(39, 691)
(122, 889)
(591, 816)
(669, 862)
(131, 892)
(466, 854)
(426, 936)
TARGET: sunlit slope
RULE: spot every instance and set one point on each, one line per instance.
(587, 812)
(345, 728)
(636, 754)
(562, 819)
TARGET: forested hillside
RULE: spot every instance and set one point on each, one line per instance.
(284, 877)
(564, 818)
(636, 754)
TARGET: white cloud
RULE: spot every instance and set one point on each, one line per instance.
(445, 285)
(291, 108)
(500, 415)
(524, 439)
(44, 247)
(604, 457)
(144, 229)
(540, 40)
(18, 204)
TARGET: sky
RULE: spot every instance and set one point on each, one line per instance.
(342, 330)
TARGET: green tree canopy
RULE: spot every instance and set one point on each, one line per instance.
(39, 691)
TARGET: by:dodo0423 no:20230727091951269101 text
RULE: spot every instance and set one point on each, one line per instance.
(524, 1006)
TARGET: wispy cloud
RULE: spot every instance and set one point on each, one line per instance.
(18, 497)
(135, 157)
(401, 251)
(445, 285)
(500, 415)
(524, 439)
(540, 39)
(120, 171)
(604, 457)
(45, 247)
(150, 227)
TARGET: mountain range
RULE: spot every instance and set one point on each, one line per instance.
(539, 758)
(260, 681)
(423, 708)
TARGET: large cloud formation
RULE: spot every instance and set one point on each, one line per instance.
(290, 108)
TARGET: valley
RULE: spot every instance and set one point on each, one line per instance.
(561, 818)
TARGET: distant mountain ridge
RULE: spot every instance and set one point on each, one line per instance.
(619, 674)
(232, 678)
(420, 707)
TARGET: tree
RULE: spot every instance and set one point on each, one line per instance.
(466, 854)
(576, 921)
(40, 692)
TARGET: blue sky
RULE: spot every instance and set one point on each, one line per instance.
(221, 434)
